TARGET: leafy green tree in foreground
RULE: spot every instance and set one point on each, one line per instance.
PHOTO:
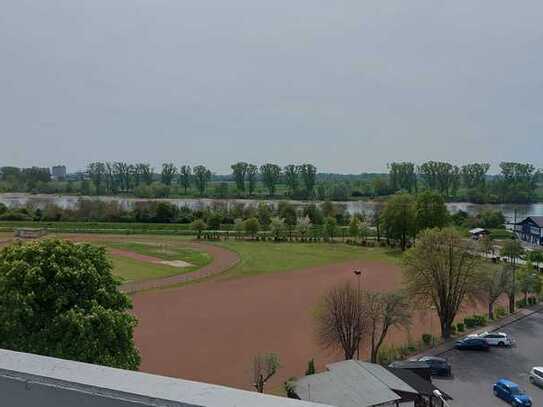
(399, 218)
(441, 271)
(431, 211)
(60, 299)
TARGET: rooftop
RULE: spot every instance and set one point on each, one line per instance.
(128, 386)
(350, 384)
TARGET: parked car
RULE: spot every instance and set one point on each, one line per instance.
(472, 343)
(439, 366)
(495, 338)
(536, 376)
(510, 392)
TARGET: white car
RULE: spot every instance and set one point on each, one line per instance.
(495, 338)
(536, 376)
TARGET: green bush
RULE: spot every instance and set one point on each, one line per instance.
(479, 320)
(453, 329)
(427, 339)
(310, 368)
(500, 312)
(522, 303)
(469, 323)
(460, 327)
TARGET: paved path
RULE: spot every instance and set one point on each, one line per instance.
(223, 259)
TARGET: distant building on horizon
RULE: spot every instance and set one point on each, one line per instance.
(59, 172)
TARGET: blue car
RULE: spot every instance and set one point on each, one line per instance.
(471, 343)
(510, 392)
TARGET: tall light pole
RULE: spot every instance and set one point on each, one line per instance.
(358, 274)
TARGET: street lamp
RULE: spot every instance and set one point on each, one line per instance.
(439, 395)
(358, 274)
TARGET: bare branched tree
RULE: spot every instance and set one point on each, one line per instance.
(441, 271)
(492, 284)
(263, 368)
(385, 310)
(341, 320)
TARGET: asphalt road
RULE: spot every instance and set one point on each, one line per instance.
(475, 372)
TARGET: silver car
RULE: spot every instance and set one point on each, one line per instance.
(536, 376)
(495, 338)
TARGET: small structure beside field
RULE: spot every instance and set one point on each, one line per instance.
(478, 233)
(30, 233)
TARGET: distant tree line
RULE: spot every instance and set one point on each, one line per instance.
(516, 183)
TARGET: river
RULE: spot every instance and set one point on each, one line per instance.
(70, 201)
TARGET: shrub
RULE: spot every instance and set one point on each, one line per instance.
(460, 327)
(469, 323)
(479, 320)
(387, 355)
(290, 388)
(522, 303)
(310, 368)
(427, 339)
(453, 329)
(500, 311)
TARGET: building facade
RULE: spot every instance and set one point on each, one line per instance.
(531, 230)
(58, 172)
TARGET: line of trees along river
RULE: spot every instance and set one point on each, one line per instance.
(515, 182)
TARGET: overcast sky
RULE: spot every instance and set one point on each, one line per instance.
(346, 84)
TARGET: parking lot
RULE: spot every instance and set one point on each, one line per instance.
(475, 372)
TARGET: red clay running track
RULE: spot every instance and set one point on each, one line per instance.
(210, 331)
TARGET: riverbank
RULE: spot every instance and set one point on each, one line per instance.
(12, 200)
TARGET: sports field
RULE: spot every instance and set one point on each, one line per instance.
(244, 298)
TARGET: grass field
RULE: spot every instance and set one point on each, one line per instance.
(268, 257)
(129, 269)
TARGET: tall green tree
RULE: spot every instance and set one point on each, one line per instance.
(308, 173)
(403, 176)
(399, 218)
(185, 177)
(252, 174)
(144, 174)
(168, 174)
(97, 174)
(441, 177)
(60, 299)
(441, 271)
(292, 173)
(271, 174)
(201, 177)
(239, 170)
(474, 175)
(431, 211)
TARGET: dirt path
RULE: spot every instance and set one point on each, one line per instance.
(223, 259)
